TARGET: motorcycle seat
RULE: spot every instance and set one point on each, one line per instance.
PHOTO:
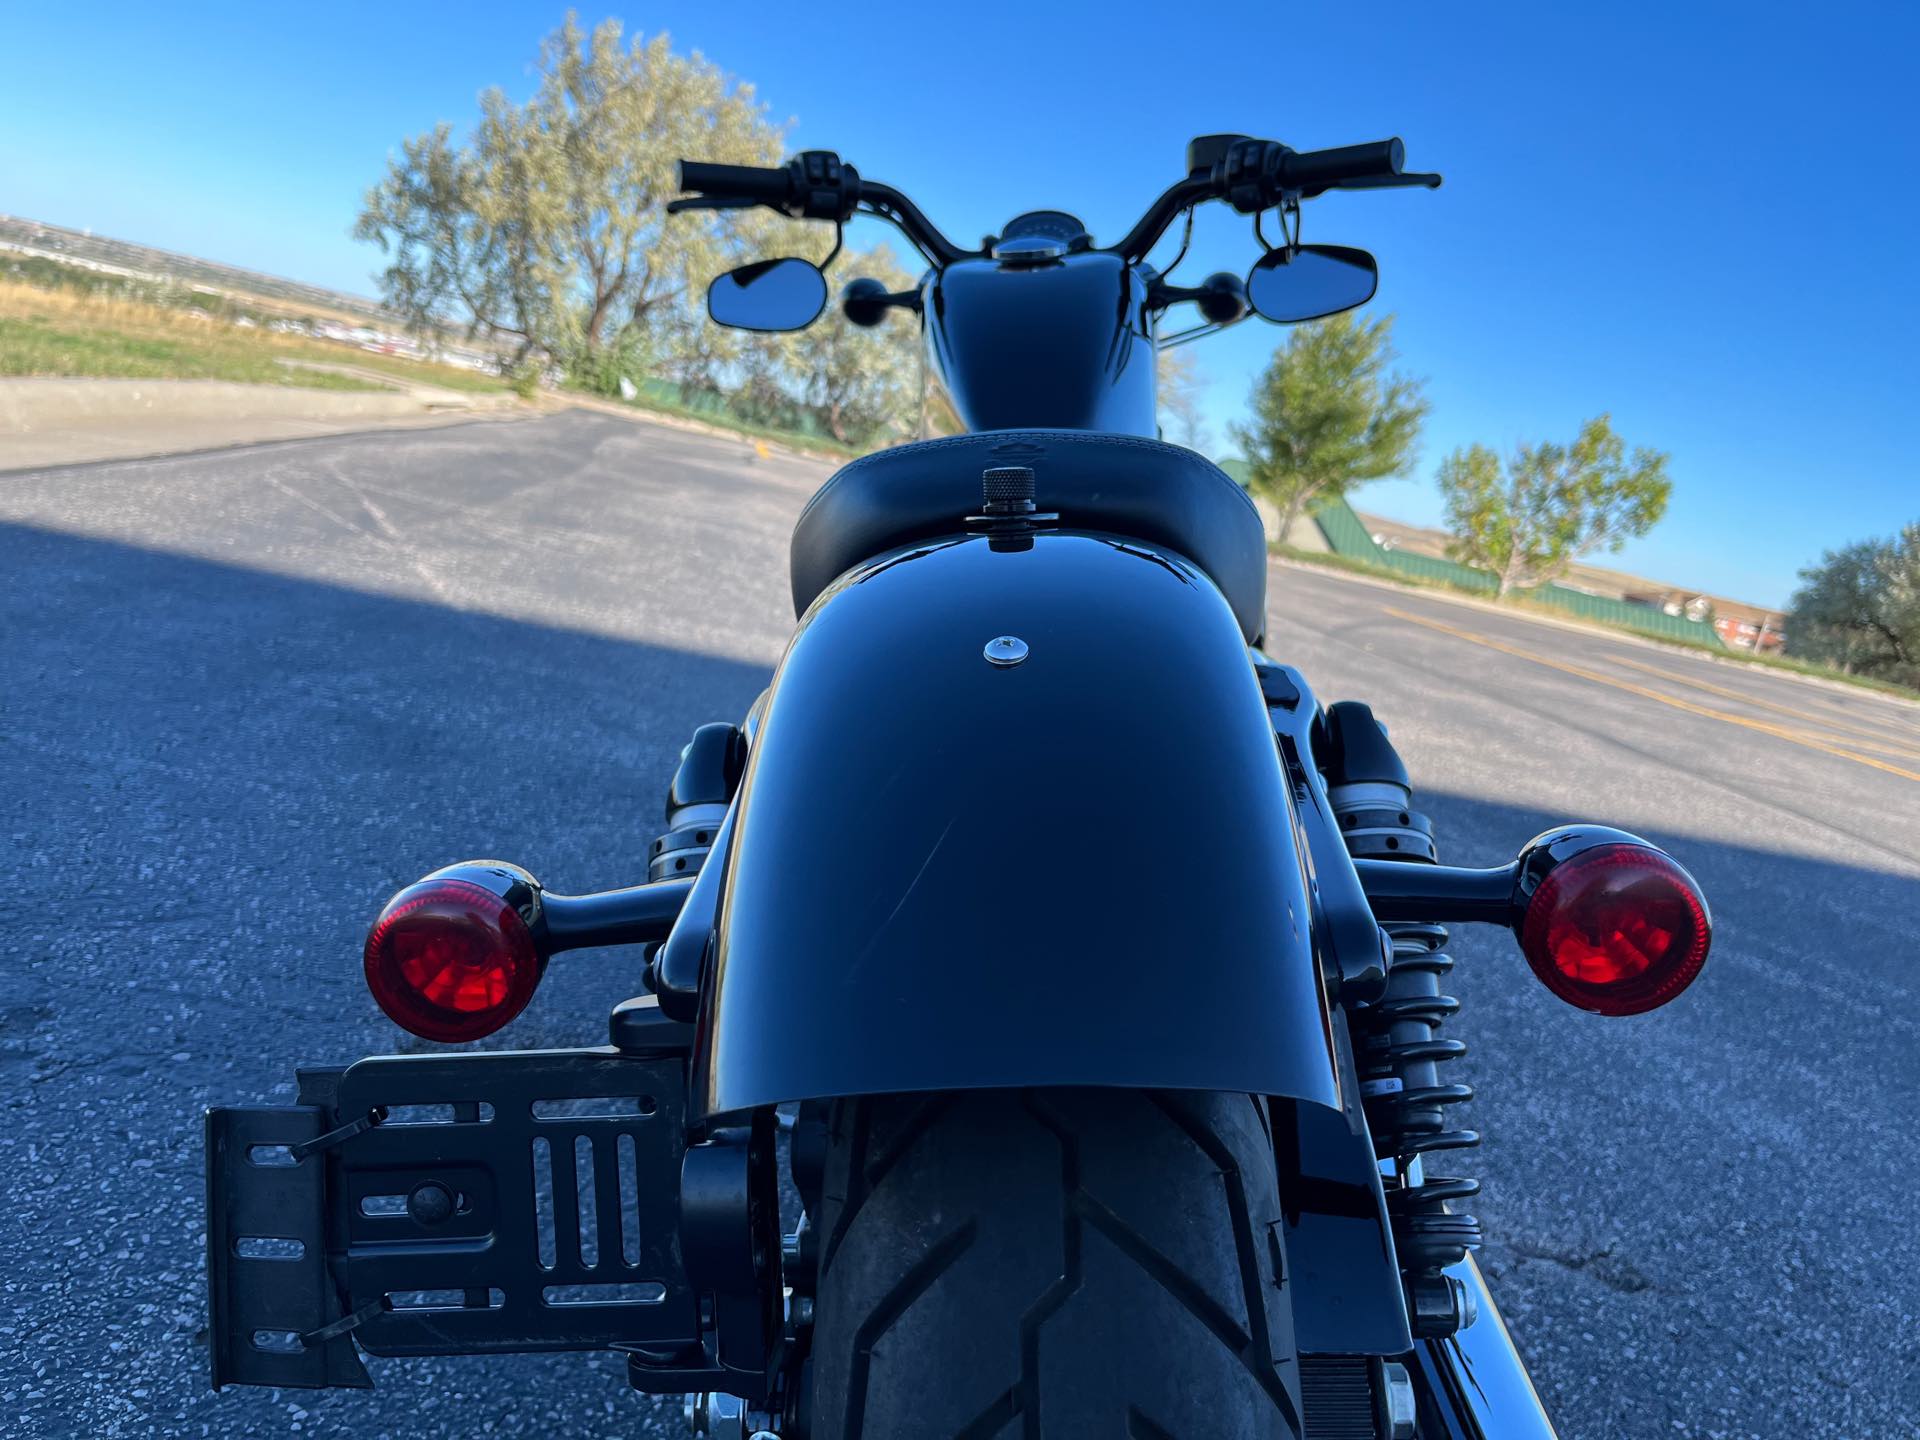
(1122, 484)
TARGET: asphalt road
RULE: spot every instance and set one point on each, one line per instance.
(245, 694)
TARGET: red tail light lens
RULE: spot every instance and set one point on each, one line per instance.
(450, 960)
(1618, 929)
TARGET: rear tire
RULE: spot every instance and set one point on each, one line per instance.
(1052, 1265)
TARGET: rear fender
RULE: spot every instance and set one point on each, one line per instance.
(948, 872)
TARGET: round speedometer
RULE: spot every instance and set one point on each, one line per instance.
(1040, 236)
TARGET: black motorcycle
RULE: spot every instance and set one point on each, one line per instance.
(1092, 966)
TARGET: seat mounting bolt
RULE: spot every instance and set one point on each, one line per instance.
(1007, 490)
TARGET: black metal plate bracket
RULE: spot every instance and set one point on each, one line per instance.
(267, 1281)
(511, 1201)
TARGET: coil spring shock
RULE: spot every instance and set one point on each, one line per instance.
(1397, 1044)
(1406, 1104)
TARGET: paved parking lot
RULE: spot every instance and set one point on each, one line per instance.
(245, 694)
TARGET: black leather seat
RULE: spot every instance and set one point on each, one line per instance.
(1123, 484)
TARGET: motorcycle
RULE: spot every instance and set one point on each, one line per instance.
(1089, 967)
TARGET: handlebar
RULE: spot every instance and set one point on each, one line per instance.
(1251, 175)
(814, 185)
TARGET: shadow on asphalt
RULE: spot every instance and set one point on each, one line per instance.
(210, 777)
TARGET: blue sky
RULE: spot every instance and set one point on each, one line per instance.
(1697, 217)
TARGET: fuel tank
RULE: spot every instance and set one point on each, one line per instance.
(1066, 345)
(1014, 816)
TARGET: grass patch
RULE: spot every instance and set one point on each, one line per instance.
(1332, 560)
(31, 344)
(1328, 560)
(95, 330)
(424, 372)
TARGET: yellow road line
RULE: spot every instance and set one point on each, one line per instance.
(1894, 744)
(1778, 731)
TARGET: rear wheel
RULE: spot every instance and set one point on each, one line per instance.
(1006, 1265)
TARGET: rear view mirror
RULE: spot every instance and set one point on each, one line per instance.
(784, 294)
(1306, 282)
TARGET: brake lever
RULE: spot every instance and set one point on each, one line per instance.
(1390, 182)
(709, 202)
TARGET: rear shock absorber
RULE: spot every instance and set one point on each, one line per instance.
(709, 772)
(703, 786)
(1397, 1044)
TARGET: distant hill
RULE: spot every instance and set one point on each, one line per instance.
(79, 247)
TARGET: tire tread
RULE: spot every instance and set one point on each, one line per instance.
(964, 1223)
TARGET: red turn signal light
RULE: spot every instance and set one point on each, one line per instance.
(450, 960)
(1617, 929)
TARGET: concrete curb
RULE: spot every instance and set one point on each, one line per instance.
(47, 423)
(83, 447)
(567, 399)
(47, 403)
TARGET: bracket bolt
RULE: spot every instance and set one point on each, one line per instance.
(430, 1204)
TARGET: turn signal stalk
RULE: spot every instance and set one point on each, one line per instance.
(1608, 922)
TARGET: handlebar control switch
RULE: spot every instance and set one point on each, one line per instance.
(1248, 174)
(827, 188)
(1206, 151)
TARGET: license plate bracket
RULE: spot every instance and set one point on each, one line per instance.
(513, 1201)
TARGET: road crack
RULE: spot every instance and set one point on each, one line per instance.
(1616, 1274)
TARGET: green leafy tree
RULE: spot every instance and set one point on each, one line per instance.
(545, 228)
(691, 351)
(1859, 608)
(1328, 415)
(862, 384)
(1528, 519)
(1180, 385)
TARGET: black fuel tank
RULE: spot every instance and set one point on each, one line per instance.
(1065, 346)
(1014, 816)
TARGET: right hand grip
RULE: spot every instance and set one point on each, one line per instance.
(1318, 169)
(770, 186)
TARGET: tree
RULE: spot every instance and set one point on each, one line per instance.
(1180, 387)
(1859, 608)
(861, 386)
(863, 383)
(546, 226)
(1528, 520)
(1327, 415)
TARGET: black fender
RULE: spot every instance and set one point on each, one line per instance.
(1013, 815)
